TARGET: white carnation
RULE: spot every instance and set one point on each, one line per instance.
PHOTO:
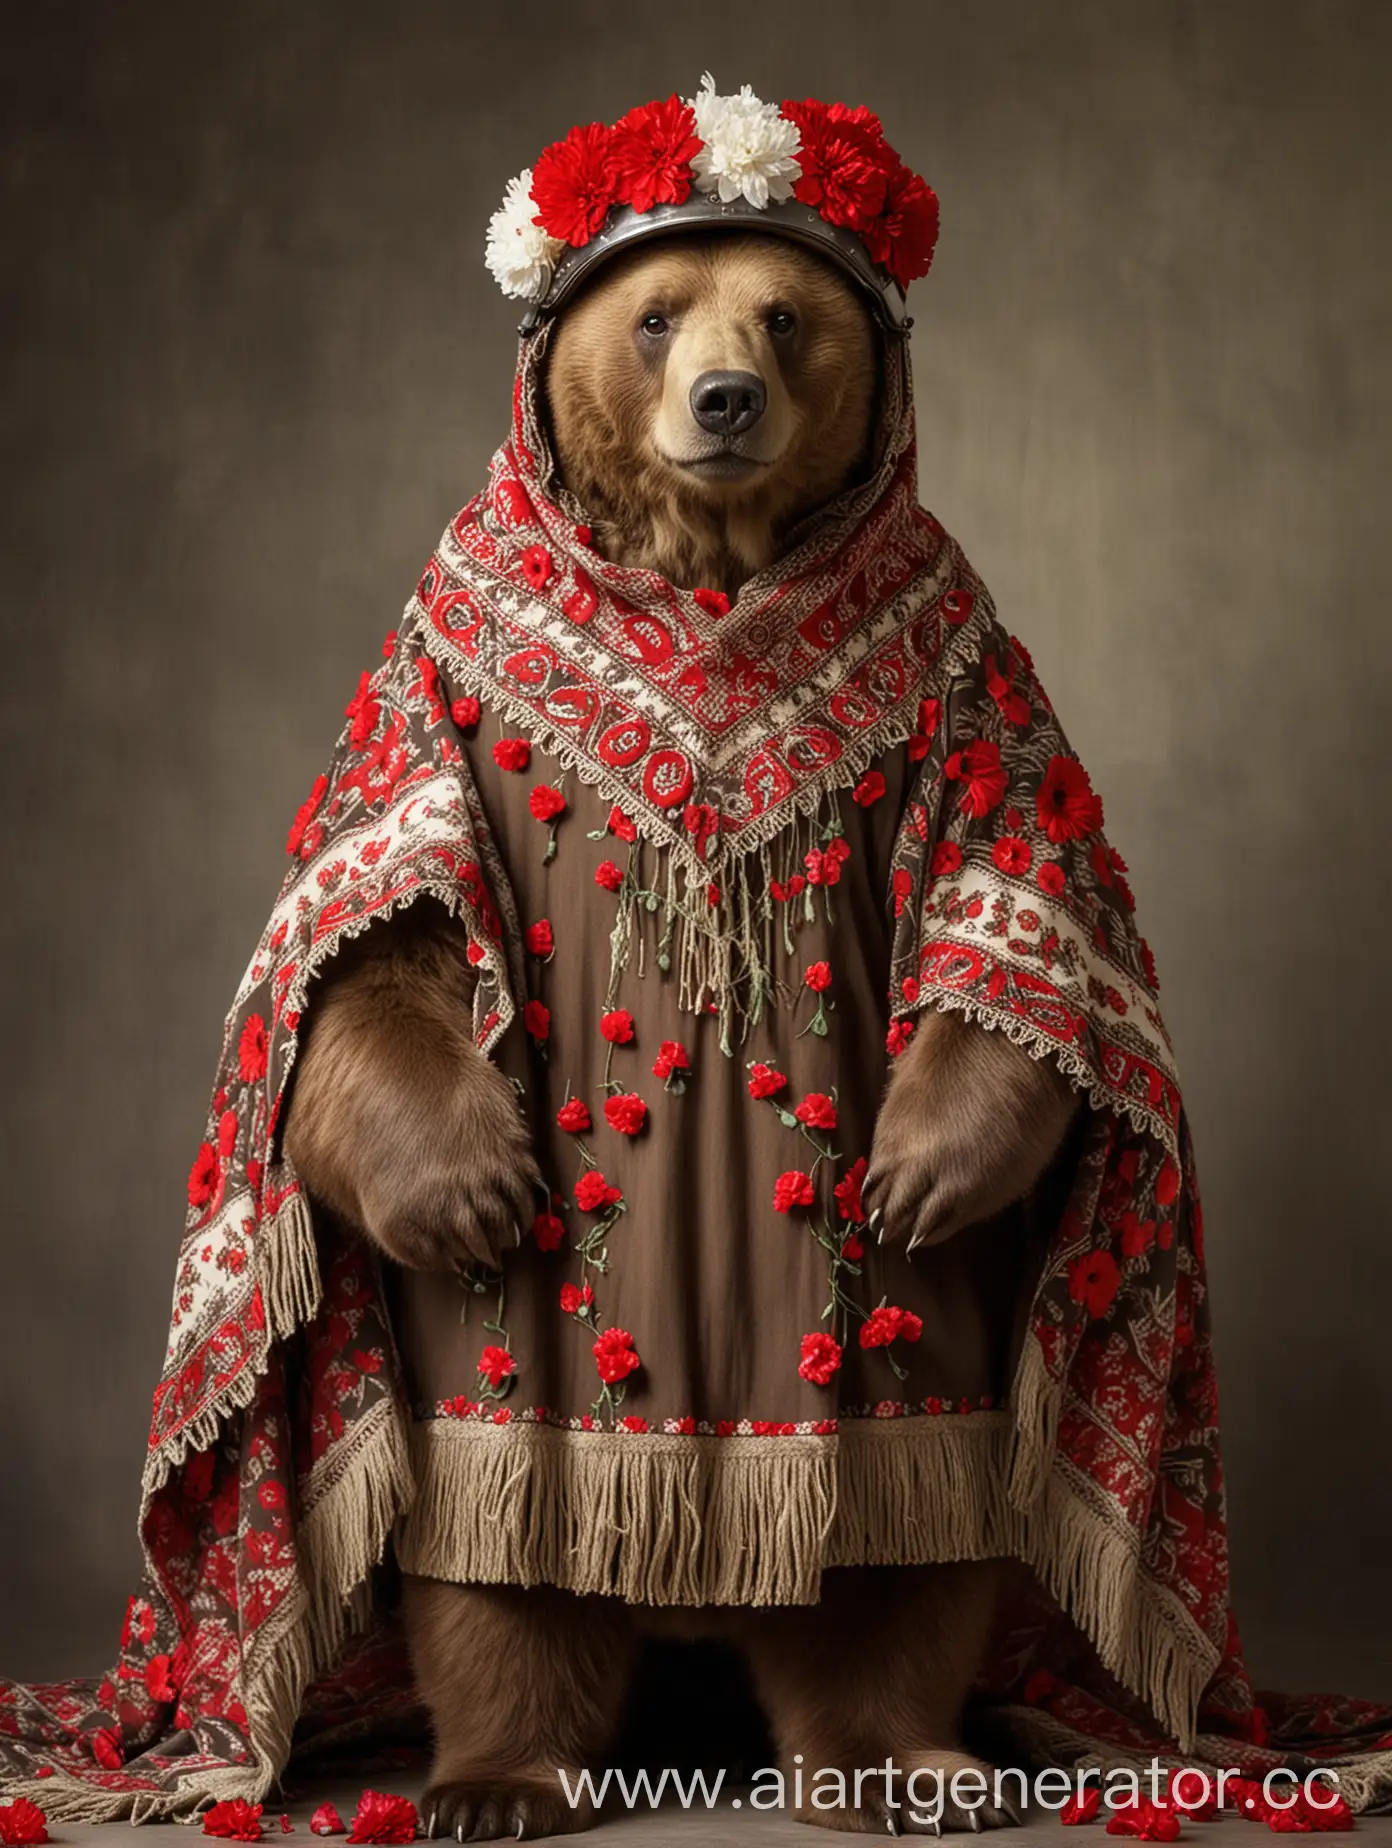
(519, 253)
(749, 150)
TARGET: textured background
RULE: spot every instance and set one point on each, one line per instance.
(253, 362)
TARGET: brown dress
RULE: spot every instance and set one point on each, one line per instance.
(727, 1465)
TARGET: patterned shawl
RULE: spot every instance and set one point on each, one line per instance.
(725, 735)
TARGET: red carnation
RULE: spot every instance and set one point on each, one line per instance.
(251, 1049)
(713, 602)
(536, 1018)
(619, 824)
(593, 1193)
(235, 1820)
(1012, 855)
(888, 1323)
(574, 1116)
(899, 1034)
(22, 1822)
(947, 859)
(869, 789)
(1093, 1280)
(546, 803)
(541, 939)
(465, 712)
(1067, 808)
(1050, 878)
(614, 1356)
(652, 151)
(821, 1356)
(204, 1175)
(536, 566)
(978, 769)
(381, 1817)
(326, 1821)
(844, 162)
(671, 1057)
(548, 1231)
(1146, 1821)
(792, 1189)
(626, 1113)
(295, 841)
(512, 753)
(1082, 1808)
(817, 1111)
(573, 184)
(764, 1081)
(617, 1026)
(364, 710)
(574, 1299)
(904, 236)
(817, 976)
(495, 1364)
(847, 1191)
(608, 875)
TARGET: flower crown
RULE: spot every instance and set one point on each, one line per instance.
(722, 154)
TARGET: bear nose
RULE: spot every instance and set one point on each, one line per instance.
(725, 403)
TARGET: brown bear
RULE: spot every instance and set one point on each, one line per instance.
(704, 396)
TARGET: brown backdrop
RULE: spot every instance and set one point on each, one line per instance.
(253, 362)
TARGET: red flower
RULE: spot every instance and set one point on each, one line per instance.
(898, 1037)
(203, 1175)
(978, 769)
(626, 1113)
(821, 1356)
(887, 1324)
(381, 1817)
(847, 1191)
(671, 1057)
(465, 712)
(495, 1364)
(851, 1248)
(546, 803)
(593, 1193)
(106, 1748)
(1093, 1280)
(536, 566)
(652, 150)
(364, 710)
(792, 1189)
(844, 162)
(22, 1822)
(304, 814)
(764, 1081)
(614, 1356)
(512, 753)
(1082, 1808)
(1145, 1821)
(573, 184)
(617, 1026)
(235, 1821)
(869, 789)
(574, 1299)
(286, 1826)
(608, 875)
(1050, 878)
(326, 1820)
(251, 1049)
(1067, 808)
(713, 602)
(817, 976)
(227, 1133)
(548, 1231)
(817, 1111)
(631, 1422)
(574, 1116)
(620, 825)
(1012, 855)
(904, 236)
(541, 939)
(536, 1018)
(947, 858)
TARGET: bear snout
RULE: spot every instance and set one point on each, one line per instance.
(727, 403)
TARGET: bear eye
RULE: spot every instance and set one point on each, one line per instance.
(781, 322)
(654, 325)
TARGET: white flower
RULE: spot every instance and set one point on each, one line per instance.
(519, 253)
(749, 147)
